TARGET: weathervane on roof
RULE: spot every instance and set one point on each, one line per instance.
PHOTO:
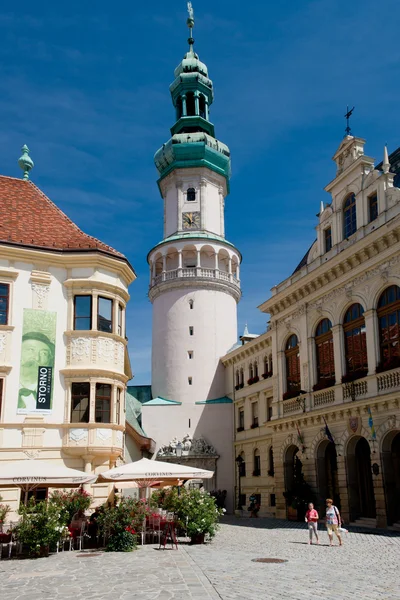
(190, 24)
(347, 117)
(25, 161)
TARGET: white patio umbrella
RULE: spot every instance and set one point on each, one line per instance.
(145, 472)
(31, 473)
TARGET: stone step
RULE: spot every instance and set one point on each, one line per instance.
(396, 526)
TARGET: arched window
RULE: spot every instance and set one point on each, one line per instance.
(255, 369)
(179, 108)
(191, 304)
(292, 356)
(241, 378)
(271, 370)
(266, 367)
(271, 469)
(355, 343)
(190, 105)
(256, 463)
(325, 358)
(191, 195)
(237, 379)
(251, 371)
(349, 216)
(389, 334)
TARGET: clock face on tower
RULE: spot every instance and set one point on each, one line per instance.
(191, 220)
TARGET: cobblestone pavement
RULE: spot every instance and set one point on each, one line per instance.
(366, 567)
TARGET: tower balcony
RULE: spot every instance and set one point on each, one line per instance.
(194, 264)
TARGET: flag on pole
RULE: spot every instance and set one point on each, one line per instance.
(300, 438)
(327, 432)
(371, 424)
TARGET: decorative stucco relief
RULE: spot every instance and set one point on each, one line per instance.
(3, 338)
(40, 294)
(78, 435)
(104, 435)
(105, 349)
(80, 348)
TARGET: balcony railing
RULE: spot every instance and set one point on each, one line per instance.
(360, 389)
(199, 272)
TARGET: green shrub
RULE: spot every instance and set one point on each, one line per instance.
(121, 524)
(123, 541)
(40, 526)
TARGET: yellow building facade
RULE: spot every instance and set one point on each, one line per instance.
(321, 417)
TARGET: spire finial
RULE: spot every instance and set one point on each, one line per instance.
(322, 208)
(190, 24)
(386, 163)
(246, 331)
(347, 117)
(25, 161)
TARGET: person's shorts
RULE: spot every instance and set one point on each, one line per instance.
(332, 528)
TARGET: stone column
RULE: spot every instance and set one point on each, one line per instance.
(184, 111)
(279, 478)
(198, 263)
(312, 357)
(238, 272)
(339, 358)
(114, 404)
(281, 371)
(216, 262)
(206, 107)
(164, 266)
(95, 301)
(88, 460)
(179, 263)
(196, 102)
(92, 403)
(153, 272)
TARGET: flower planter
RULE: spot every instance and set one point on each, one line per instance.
(198, 538)
(44, 551)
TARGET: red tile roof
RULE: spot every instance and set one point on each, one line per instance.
(29, 218)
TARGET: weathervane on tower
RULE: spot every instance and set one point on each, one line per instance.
(190, 24)
(347, 117)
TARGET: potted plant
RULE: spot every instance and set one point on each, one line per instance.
(4, 510)
(40, 527)
(121, 523)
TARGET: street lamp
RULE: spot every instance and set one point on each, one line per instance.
(178, 450)
(239, 462)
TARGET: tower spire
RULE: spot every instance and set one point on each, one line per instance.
(190, 24)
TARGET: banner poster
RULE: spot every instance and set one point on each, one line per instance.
(36, 376)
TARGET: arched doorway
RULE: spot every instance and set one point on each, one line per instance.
(359, 475)
(391, 475)
(293, 477)
(327, 474)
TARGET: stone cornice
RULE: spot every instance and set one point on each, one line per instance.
(260, 343)
(196, 283)
(350, 261)
(74, 373)
(93, 285)
(69, 259)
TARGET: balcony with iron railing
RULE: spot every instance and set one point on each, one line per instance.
(371, 386)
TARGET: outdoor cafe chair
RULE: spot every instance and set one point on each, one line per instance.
(80, 538)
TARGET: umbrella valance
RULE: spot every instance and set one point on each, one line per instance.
(33, 473)
(148, 470)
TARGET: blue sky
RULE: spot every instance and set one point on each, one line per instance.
(85, 85)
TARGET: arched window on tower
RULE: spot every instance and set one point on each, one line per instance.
(292, 356)
(389, 328)
(202, 106)
(355, 343)
(190, 104)
(191, 195)
(349, 216)
(325, 358)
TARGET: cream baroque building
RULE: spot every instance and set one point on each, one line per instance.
(63, 356)
(322, 418)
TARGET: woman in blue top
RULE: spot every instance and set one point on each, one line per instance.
(333, 521)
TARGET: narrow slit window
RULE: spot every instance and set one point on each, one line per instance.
(191, 304)
(328, 239)
(190, 354)
(373, 207)
(190, 380)
(191, 330)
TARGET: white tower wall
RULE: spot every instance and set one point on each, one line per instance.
(213, 319)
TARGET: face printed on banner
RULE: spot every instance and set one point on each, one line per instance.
(34, 353)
